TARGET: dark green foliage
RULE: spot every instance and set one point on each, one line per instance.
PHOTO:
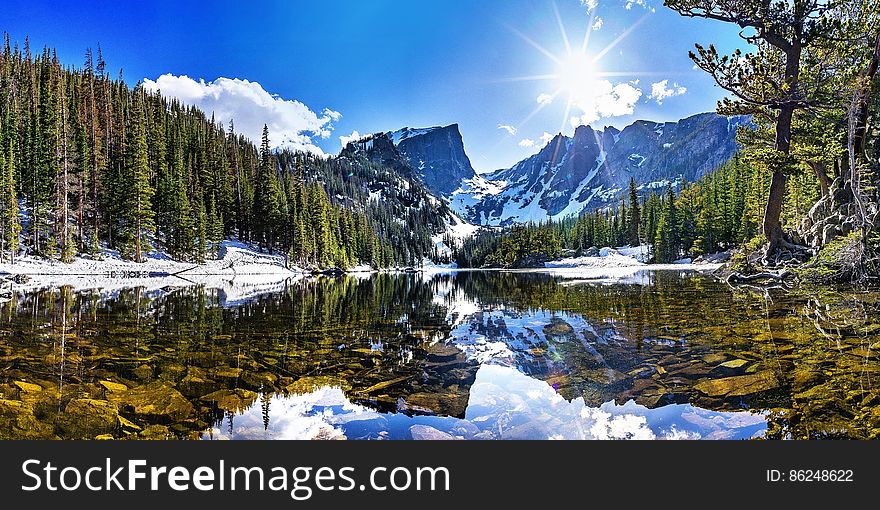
(716, 213)
(95, 162)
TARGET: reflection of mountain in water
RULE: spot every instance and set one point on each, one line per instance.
(504, 404)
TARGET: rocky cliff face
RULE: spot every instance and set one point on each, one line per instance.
(589, 170)
(437, 155)
(394, 181)
(592, 169)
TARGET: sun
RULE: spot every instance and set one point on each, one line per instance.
(576, 74)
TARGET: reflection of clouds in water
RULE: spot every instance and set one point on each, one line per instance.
(504, 404)
(533, 410)
(306, 416)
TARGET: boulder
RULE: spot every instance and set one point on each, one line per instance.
(829, 233)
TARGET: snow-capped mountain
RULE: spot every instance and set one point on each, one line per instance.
(437, 155)
(592, 168)
(396, 181)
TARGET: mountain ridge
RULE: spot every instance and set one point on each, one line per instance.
(567, 176)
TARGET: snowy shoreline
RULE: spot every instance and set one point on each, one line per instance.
(242, 271)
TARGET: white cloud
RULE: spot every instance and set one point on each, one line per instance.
(546, 138)
(597, 24)
(291, 123)
(333, 115)
(604, 99)
(590, 4)
(661, 90)
(526, 142)
(545, 99)
(343, 140)
(641, 3)
(511, 130)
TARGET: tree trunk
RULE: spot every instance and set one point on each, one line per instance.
(772, 226)
(137, 232)
(863, 109)
(65, 184)
(824, 181)
(79, 215)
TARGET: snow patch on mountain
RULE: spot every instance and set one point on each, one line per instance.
(589, 169)
(404, 133)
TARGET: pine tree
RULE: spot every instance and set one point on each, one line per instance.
(667, 240)
(11, 225)
(138, 215)
(634, 221)
(268, 199)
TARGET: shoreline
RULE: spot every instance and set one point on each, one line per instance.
(241, 271)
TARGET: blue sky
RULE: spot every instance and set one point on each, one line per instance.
(316, 71)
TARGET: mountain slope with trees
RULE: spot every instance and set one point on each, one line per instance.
(89, 164)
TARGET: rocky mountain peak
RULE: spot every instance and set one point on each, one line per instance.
(591, 169)
(437, 155)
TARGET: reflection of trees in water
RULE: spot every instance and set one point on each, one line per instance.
(669, 305)
(180, 344)
(832, 382)
(382, 339)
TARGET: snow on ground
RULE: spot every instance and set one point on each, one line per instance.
(642, 253)
(236, 258)
(407, 132)
(430, 267)
(472, 192)
(621, 266)
(232, 290)
(240, 273)
(458, 230)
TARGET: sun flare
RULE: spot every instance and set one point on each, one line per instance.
(576, 74)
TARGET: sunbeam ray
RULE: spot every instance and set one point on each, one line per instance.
(534, 77)
(538, 109)
(561, 28)
(619, 38)
(534, 44)
(586, 43)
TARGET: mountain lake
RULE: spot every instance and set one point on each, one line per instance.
(457, 355)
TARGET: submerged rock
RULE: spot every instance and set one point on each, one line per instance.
(28, 387)
(17, 421)
(113, 387)
(309, 384)
(738, 386)
(157, 400)
(734, 363)
(232, 400)
(85, 418)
